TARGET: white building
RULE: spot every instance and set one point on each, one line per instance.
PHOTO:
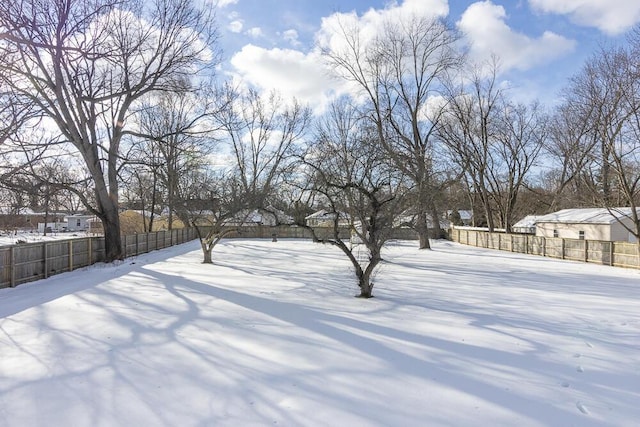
(526, 225)
(588, 224)
(324, 218)
(71, 223)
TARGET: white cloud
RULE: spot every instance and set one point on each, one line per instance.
(291, 36)
(225, 3)
(484, 25)
(371, 23)
(303, 75)
(291, 72)
(235, 26)
(255, 32)
(609, 16)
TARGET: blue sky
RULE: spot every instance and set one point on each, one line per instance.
(270, 43)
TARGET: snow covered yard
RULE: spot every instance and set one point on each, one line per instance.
(271, 335)
(12, 238)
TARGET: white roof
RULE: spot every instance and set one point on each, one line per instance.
(8, 210)
(528, 221)
(464, 214)
(325, 214)
(586, 216)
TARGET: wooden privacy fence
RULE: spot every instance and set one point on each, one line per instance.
(32, 261)
(287, 231)
(617, 254)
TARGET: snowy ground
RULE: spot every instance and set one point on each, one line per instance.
(8, 238)
(271, 335)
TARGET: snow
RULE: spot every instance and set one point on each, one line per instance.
(271, 335)
(587, 216)
(14, 237)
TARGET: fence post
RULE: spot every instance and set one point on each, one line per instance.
(511, 242)
(544, 246)
(137, 245)
(70, 246)
(90, 247)
(46, 260)
(586, 251)
(562, 247)
(12, 256)
(611, 252)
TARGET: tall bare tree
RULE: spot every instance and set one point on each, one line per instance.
(599, 144)
(263, 134)
(81, 66)
(175, 135)
(399, 72)
(469, 130)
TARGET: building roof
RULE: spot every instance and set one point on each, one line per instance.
(324, 214)
(528, 221)
(586, 216)
(464, 214)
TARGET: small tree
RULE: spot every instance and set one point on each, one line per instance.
(359, 185)
(213, 208)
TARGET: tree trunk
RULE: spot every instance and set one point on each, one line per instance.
(422, 227)
(112, 239)
(366, 289)
(110, 217)
(424, 240)
(206, 252)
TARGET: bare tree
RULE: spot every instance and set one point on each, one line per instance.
(83, 65)
(175, 135)
(263, 133)
(399, 72)
(520, 137)
(214, 207)
(360, 187)
(604, 153)
(469, 129)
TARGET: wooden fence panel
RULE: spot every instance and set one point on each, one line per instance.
(599, 252)
(574, 249)
(32, 261)
(5, 267)
(27, 262)
(625, 255)
(619, 254)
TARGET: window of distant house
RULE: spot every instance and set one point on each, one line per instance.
(581, 234)
(555, 233)
(78, 223)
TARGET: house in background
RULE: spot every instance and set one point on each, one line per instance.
(324, 218)
(21, 218)
(466, 217)
(255, 217)
(71, 223)
(526, 225)
(587, 224)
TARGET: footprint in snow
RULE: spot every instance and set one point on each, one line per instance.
(588, 344)
(582, 408)
(580, 368)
